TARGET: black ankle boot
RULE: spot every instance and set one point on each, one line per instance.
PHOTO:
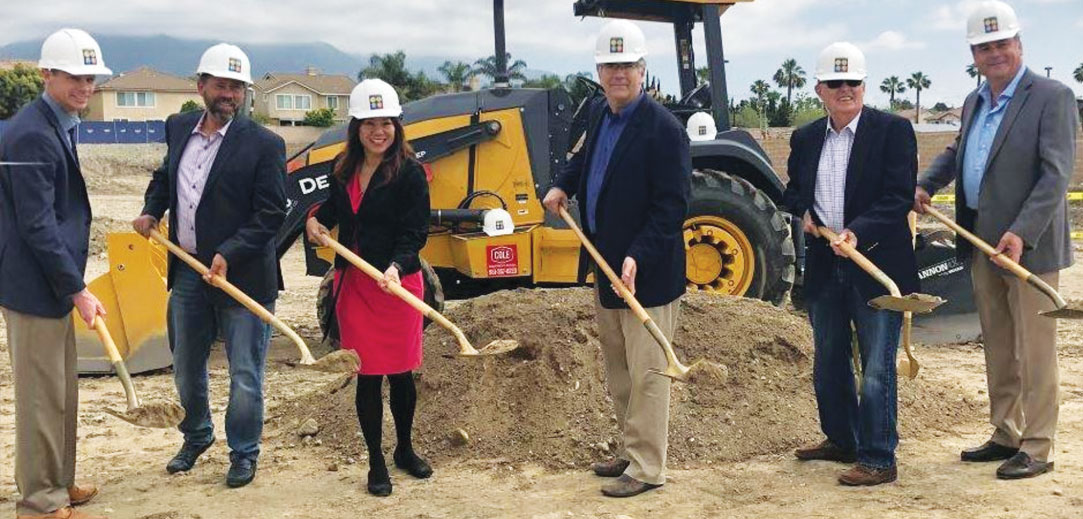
(406, 459)
(379, 481)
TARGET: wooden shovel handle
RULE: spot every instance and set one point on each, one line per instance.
(118, 362)
(863, 262)
(236, 293)
(625, 294)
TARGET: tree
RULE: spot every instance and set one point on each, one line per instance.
(18, 86)
(904, 104)
(891, 86)
(547, 81)
(760, 88)
(456, 74)
(790, 76)
(487, 67)
(391, 68)
(320, 117)
(190, 106)
(941, 107)
(577, 88)
(703, 75)
(972, 71)
(1078, 73)
(917, 82)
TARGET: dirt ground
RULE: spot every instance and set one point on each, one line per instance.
(747, 471)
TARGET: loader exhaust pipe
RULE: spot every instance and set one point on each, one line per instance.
(501, 78)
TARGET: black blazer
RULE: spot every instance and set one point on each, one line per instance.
(392, 223)
(242, 207)
(44, 216)
(642, 202)
(880, 182)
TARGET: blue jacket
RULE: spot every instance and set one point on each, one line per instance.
(642, 202)
(242, 206)
(880, 180)
(44, 216)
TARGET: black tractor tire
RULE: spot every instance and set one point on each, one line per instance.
(434, 297)
(734, 202)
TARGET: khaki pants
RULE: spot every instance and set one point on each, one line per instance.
(640, 399)
(43, 360)
(1020, 358)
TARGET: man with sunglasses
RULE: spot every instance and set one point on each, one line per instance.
(1012, 160)
(853, 172)
(632, 181)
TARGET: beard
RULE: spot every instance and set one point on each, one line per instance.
(222, 109)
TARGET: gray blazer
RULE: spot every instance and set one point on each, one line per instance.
(1026, 177)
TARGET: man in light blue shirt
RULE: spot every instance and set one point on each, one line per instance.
(982, 132)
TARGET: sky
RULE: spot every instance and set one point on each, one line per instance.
(899, 37)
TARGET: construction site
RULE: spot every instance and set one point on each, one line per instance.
(513, 432)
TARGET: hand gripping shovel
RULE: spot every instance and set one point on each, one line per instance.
(1064, 310)
(895, 301)
(674, 369)
(163, 415)
(465, 349)
(343, 361)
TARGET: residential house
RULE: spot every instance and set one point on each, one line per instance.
(143, 94)
(951, 117)
(9, 64)
(283, 98)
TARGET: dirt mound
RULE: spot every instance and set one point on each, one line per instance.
(119, 169)
(546, 402)
(100, 227)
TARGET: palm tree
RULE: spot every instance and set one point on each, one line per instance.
(487, 67)
(760, 88)
(972, 71)
(456, 73)
(917, 82)
(790, 76)
(891, 86)
(1078, 73)
(389, 67)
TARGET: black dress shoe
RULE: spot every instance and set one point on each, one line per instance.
(241, 472)
(379, 480)
(1023, 466)
(627, 486)
(409, 461)
(186, 457)
(610, 468)
(988, 451)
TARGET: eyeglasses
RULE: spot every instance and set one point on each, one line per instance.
(837, 83)
(619, 67)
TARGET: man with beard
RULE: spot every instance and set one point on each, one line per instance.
(222, 181)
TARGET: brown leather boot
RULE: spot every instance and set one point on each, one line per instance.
(825, 450)
(865, 476)
(81, 494)
(626, 486)
(610, 468)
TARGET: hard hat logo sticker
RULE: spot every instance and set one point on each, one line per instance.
(90, 57)
(376, 102)
(703, 130)
(842, 65)
(616, 45)
(235, 65)
(991, 25)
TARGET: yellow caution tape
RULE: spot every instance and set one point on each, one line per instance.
(1077, 235)
(1074, 196)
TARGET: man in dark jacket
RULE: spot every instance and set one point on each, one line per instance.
(222, 181)
(632, 179)
(44, 234)
(853, 172)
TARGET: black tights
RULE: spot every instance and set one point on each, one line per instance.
(370, 411)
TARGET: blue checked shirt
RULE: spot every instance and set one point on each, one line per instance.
(830, 192)
(980, 139)
(67, 121)
(612, 126)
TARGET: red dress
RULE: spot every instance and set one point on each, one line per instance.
(384, 330)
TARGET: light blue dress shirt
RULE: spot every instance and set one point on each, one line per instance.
(980, 139)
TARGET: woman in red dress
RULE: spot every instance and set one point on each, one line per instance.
(380, 203)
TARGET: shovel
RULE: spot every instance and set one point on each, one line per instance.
(340, 361)
(895, 301)
(1064, 310)
(674, 369)
(162, 415)
(465, 348)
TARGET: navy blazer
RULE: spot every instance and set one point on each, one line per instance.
(241, 209)
(880, 180)
(44, 216)
(642, 203)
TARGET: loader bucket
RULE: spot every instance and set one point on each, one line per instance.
(133, 292)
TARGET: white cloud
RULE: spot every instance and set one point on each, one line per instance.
(891, 41)
(951, 17)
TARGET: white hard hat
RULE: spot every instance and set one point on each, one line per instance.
(620, 41)
(701, 127)
(226, 61)
(74, 52)
(841, 60)
(374, 98)
(497, 222)
(991, 21)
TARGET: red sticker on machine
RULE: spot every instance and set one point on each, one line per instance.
(502, 260)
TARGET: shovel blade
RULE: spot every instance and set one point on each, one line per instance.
(341, 361)
(1073, 310)
(497, 347)
(916, 303)
(158, 415)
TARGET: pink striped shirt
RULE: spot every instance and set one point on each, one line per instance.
(195, 165)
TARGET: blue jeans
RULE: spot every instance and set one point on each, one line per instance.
(864, 423)
(194, 323)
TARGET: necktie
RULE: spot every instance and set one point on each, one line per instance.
(71, 136)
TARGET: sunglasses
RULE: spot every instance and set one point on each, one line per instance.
(837, 83)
